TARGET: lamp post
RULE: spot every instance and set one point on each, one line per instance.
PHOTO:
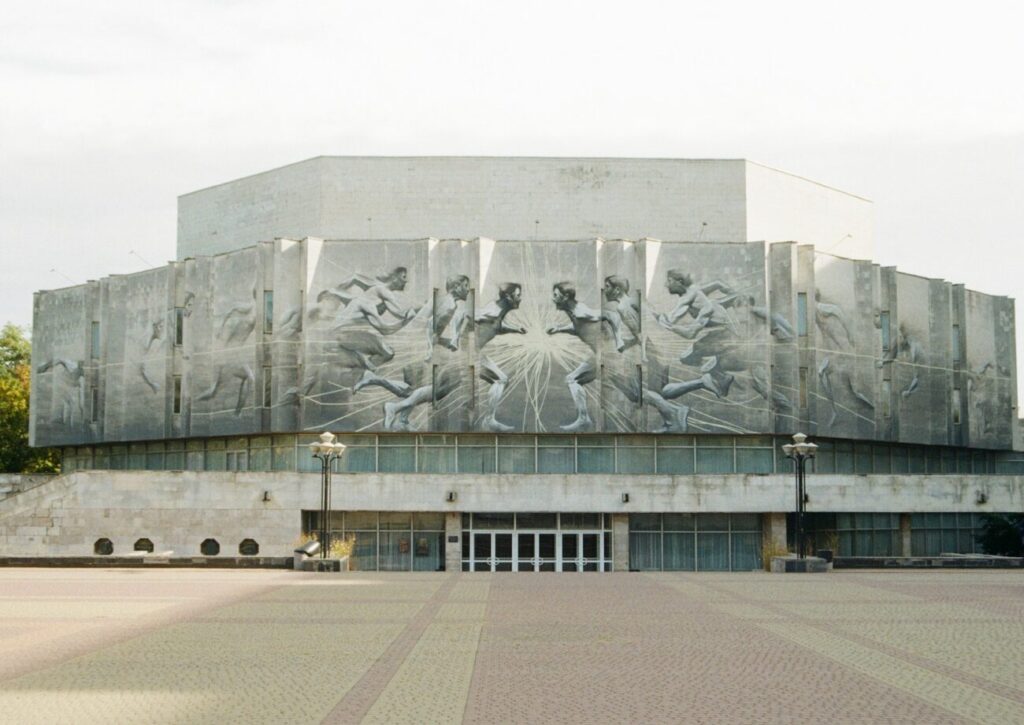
(327, 450)
(800, 451)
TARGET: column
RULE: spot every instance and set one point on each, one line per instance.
(452, 541)
(905, 537)
(773, 534)
(620, 542)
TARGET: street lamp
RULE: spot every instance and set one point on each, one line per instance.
(327, 450)
(799, 451)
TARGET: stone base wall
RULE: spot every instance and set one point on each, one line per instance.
(178, 510)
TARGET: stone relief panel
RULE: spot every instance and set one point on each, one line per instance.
(554, 337)
(919, 350)
(708, 353)
(841, 322)
(450, 328)
(60, 355)
(139, 341)
(286, 333)
(365, 351)
(623, 349)
(224, 360)
(538, 330)
(989, 369)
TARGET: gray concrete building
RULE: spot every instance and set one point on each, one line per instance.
(535, 364)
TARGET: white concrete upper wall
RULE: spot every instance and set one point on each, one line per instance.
(520, 198)
(782, 207)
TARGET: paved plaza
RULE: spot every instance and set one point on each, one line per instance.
(218, 646)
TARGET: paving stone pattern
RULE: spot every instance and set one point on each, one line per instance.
(184, 646)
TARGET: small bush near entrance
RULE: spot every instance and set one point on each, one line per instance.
(209, 547)
(103, 547)
(248, 547)
(144, 545)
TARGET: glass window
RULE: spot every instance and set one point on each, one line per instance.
(268, 312)
(94, 338)
(595, 454)
(678, 522)
(493, 521)
(645, 522)
(712, 522)
(713, 552)
(179, 326)
(437, 459)
(364, 551)
(753, 460)
(580, 521)
(176, 404)
(396, 454)
(714, 460)
(428, 521)
(428, 551)
(675, 460)
(678, 551)
(801, 314)
(645, 551)
(536, 521)
(635, 454)
(360, 520)
(395, 520)
(955, 341)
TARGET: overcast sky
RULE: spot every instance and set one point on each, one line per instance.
(109, 110)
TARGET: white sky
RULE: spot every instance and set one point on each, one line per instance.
(109, 110)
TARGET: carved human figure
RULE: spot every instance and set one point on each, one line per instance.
(373, 299)
(831, 320)
(490, 323)
(154, 339)
(779, 326)
(396, 413)
(913, 351)
(236, 326)
(238, 323)
(621, 313)
(696, 301)
(584, 323)
(70, 387)
(450, 316)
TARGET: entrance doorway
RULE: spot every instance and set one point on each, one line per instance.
(566, 546)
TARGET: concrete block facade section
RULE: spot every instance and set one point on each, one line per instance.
(178, 510)
(522, 198)
(595, 336)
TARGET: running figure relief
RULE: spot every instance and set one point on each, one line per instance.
(490, 323)
(585, 324)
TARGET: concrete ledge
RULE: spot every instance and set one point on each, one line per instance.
(107, 562)
(928, 562)
(792, 565)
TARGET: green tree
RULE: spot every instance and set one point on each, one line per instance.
(1002, 534)
(15, 373)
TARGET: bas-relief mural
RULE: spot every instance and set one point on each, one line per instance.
(504, 337)
(843, 313)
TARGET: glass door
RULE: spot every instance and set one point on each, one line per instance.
(536, 551)
(491, 551)
(581, 551)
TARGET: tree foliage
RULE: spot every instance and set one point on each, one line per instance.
(1002, 534)
(15, 384)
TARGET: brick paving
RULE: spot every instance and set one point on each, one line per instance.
(183, 646)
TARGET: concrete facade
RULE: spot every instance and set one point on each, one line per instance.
(177, 510)
(597, 355)
(523, 198)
